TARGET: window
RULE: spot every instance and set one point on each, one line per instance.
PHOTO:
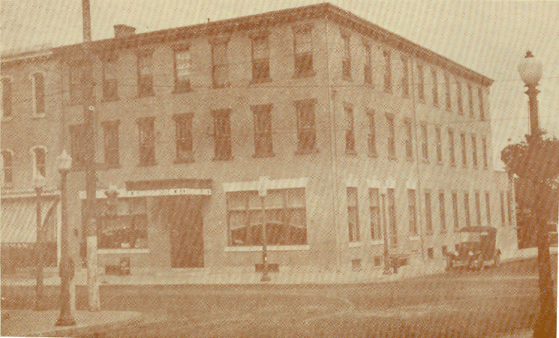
(110, 76)
(391, 137)
(412, 214)
(392, 216)
(474, 150)
(372, 133)
(303, 51)
(428, 218)
(260, 59)
(447, 89)
(39, 161)
(76, 82)
(124, 231)
(484, 152)
(352, 215)
(442, 212)
(455, 210)
(78, 145)
(183, 69)
(285, 217)
(374, 208)
(481, 105)
(424, 142)
(430, 253)
(350, 129)
(439, 144)
(470, 100)
(435, 87)
(387, 72)
(7, 168)
(38, 94)
(145, 74)
(222, 134)
(488, 208)
(420, 83)
(306, 132)
(409, 139)
(464, 153)
(405, 78)
(444, 250)
(262, 130)
(6, 97)
(509, 206)
(146, 134)
(346, 57)
(451, 151)
(459, 97)
(183, 137)
(478, 208)
(368, 67)
(467, 209)
(503, 219)
(112, 157)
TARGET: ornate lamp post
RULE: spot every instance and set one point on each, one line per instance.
(39, 184)
(262, 191)
(386, 270)
(66, 264)
(530, 71)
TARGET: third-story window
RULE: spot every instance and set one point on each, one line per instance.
(428, 218)
(467, 209)
(110, 76)
(478, 208)
(481, 105)
(412, 214)
(435, 87)
(112, 157)
(145, 74)
(372, 133)
(220, 64)
(470, 100)
(451, 152)
(442, 212)
(420, 83)
(7, 167)
(183, 69)
(352, 215)
(39, 162)
(6, 97)
(303, 51)
(183, 137)
(405, 78)
(222, 134)
(260, 59)
(459, 97)
(346, 56)
(409, 139)
(375, 214)
(474, 151)
(391, 141)
(38, 93)
(146, 133)
(424, 142)
(368, 67)
(263, 130)
(488, 208)
(387, 71)
(78, 145)
(484, 152)
(438, 140)
(464, 150)
(306, 132)
(76, 81)
(350, 129)
(455, 210)
(447, 90)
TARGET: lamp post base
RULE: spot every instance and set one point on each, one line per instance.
(65, 320)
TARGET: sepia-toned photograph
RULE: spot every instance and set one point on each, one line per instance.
(289, 168)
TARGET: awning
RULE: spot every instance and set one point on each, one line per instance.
(19, 219)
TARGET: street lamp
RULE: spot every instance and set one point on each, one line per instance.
(386, 270)
(66, 271)
(530, 71)
(39, 183)
(262, 192)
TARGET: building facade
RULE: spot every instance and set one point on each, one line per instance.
(360, 136)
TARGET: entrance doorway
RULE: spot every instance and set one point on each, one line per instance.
(184, 216)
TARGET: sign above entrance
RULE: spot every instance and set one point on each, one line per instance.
(152, 193)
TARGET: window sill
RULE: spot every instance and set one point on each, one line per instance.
(185, 160)
(409, 159)
(414, 238)
(230, 158)
(305, 74)
(354, 244)
(347, 78)
(429, 233)
(453, 165)
(111, 99)
(182, 91)
(443, 232)
(388, 90)
(422, 100)
(122, 251)
(111, 166)
(307, 151)
(225, 85)
(369, 84)
(263, 80)
(258, 248)
(38, 116)
(150, 164)
(373, 155)
(392, 158)
(377, 242)
(439, 162)
(425, 161)
(351, 152)
(146, 95)
(263, 155)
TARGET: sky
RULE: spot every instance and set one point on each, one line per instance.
(489, 37)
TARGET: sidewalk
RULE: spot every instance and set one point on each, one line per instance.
(29, 323)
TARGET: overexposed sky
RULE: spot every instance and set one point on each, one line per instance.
(490, 37)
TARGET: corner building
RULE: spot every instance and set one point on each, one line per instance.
(361, 134)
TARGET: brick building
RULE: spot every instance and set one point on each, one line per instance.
(362, 134)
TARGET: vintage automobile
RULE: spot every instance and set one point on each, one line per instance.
(477, 246)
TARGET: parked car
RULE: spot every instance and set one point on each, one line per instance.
(477, 246)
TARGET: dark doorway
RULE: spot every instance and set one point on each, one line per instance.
(184, 215)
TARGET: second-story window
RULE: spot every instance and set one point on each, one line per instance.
(145, 74)
(39, 162)
(146, 140)
(484, 152)
(7, 168)
(346, 56)
(459, 97)
(183, 137)
(352, 215)
(387, 71)
(442, 211)
(112, 152)
(474, 150)
(303, 51)
(464, 150)
(391, 209)
(110, 77)
(451, 152)
(220, 63)
(412, 214)
(467, 209)
(76, 83)
(455, 210)
(374, 208)
(78, 145)
(260, 59)
(488, 208)
(372, 140)
(391, 141)
(183, 69)
(428, 218)
(306, 131)
(222, 134)
(409, 139)
(447, 90)
(435, 87)
(368, 66)
(424, 142)
(481, 105)
(38, 93)
(470, 100)
(420, 83)
(478, 208)
(263, 145)
(350, 129)
(438, 140)
(6, 97)
(405, 78)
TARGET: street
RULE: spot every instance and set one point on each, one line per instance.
(455, 304)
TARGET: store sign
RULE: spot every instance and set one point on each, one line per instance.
(152, 193)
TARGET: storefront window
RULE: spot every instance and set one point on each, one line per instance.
(123, 232)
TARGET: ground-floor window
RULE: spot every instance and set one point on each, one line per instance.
(123, 232)
(285, 217)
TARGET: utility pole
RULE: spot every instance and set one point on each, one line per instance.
(90, 177)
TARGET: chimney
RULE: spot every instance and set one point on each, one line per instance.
(122, 31)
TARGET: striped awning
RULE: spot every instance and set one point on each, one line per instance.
(19, 219)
